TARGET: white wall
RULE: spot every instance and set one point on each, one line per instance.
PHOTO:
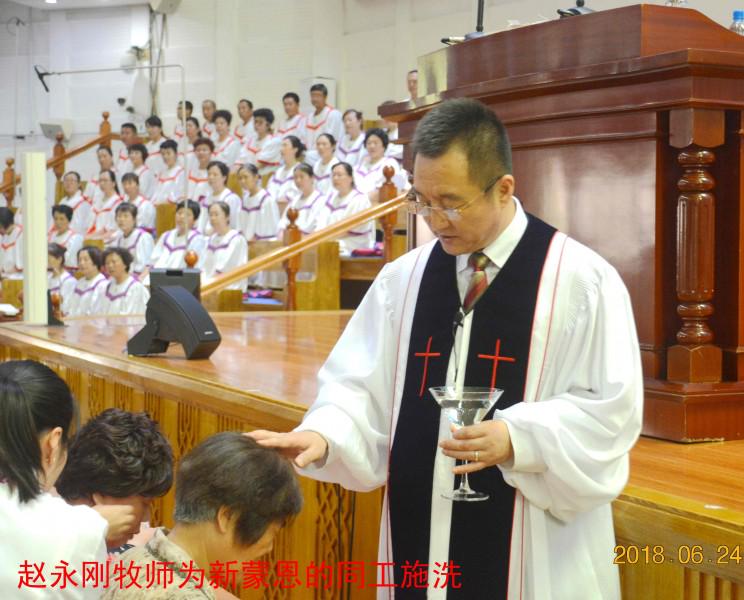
(230, 49)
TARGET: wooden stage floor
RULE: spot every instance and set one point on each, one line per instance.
(264, 375)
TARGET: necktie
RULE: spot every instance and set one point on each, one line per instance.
(478, 281)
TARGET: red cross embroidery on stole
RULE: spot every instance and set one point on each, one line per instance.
(496, 357)
(426, 355)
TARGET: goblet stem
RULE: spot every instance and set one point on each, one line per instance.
(464, 483)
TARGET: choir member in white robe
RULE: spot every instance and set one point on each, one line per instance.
(135, 240)
(368, 175)
(263, 149)
(81, 208)
(145, 209)
(227, 249)
(172, 246)
(59, 279)
(323, 119)
(171, 185)
(306, 202)
(281, 185)
(91, 286)
(11, 246)
(226, 146)
(217, 174)
(155, 139)
(62, 234)
(123, 294)
(208, 109)
(186, 156)
(259, 214)
(326, 147)
(93, 193)
(394, 149)
(554, 453)
(103, 219)
(147, 179)
(198, 183)
(244, 130)
(294, 124)
(38, 528)
(345, 200)
(178, 130)
(128, 136)
(350, 148)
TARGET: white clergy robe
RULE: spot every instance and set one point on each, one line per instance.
(329, 120)
(322, 172)
(64, 285)
(81, 211)
(11, 254)
(225, 253)
(226, 195)
(351, 151)
(580, 415)
(307, 208)
(86, 295)
(227, 150)
(263, 153)
(243, 132)
(139, 243)
(154, 157)
(281, 185)
(335, 208)
(293, 126)
(127, 298)
(368, 177)
(171, 186)
(103, 218)
(147, 180)
(171, 249)
(145, 213)
(259, 216)
(71, 242)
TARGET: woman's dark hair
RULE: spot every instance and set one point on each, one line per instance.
(252, 169)
(124, 254)
(33, 399)
(113, 179)
(57, 252)
(202, 141)
(169, 145)
(107, 149)
(194, 120)
(319, 87)
(126, 207)
(74, 173)
(248, 102)
(224, 206)
(95, 254)
(355, 112)
(346, 167)
(190, 205)
(63, 209)
(118, 454)
(222, 114)
(380, 133)
(224, 169)
(292, 95)
(130, 177)
(329, 137)
(264, 113)
(6, 217)
(297, 145)
(266, 491)
(154, 121)
(141, 148)
(305, 168)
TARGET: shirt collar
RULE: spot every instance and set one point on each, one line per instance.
(499, 250)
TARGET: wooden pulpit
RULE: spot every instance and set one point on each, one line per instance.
(627, 128)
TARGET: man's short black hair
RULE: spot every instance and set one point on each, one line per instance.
(319, 87)
(169, 145)
(189, 205)
(222, 114)
(131, 126)
(380, 133)
(154, 121)
(264, 113)
(120, 454)
(141, 148)
(248, 102)
(204, 141)
(292, 95)
(124, 254)
(472, 127)
(63, 209)
(230, 469)
(189, 106)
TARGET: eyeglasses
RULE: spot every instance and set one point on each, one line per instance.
(417, 207)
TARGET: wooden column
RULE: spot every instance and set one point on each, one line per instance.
(105, 127)
(388, 191)
(695, 359)
(59, 168)
(292, 235)
(9, 178)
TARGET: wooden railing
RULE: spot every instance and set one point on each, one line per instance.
(387, 210)
(59, 156)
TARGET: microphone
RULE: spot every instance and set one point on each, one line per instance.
(453, 39)
(41, 76)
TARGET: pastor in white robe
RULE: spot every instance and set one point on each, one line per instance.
(86, 295)
(127, 298)
(225, 253)
(335, 208)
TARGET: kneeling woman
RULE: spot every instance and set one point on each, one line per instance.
(90, 286)
(123, 295)
(226, 249)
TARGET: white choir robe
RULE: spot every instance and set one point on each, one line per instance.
(147, 181)
(227, 150)
(259, 216)
(264, 153)
(179, 134)
(171, 186)
(225, 253)
(281, 186)
(368, 177)
(209, 130)
(155, 157)
(146, 213)
(92, 192)
(171, 249)
(571, 435)
(293, 126)
(64, 285)
(394, 150)
(81, 212)
(127, 298)
(123, 163)
(139, 243)
(198, 184)
(232, 200)
(71, 242)
(351, 151)
(334, 208)
(86, 295)
(243, 132)
(322, 172)
(103, 219)
(328, 121)
(307, 208)
(186, 156)
(11, 254)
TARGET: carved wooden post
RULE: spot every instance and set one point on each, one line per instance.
(388, 191)
(694, 358)
(59, 168)
(105, 128)
(292, 235)
(9, 179)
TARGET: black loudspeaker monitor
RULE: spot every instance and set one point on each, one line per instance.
(188, 278)
(175, 315)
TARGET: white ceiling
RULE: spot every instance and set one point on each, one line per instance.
(65, 4)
